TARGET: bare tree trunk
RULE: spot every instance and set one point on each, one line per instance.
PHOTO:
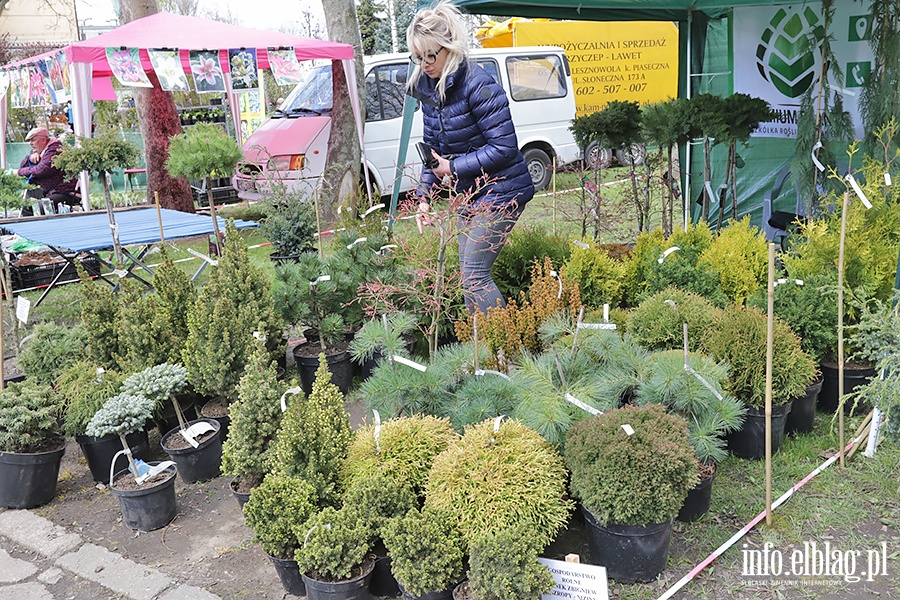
(707, 175)
(158, 119)
(342, 166)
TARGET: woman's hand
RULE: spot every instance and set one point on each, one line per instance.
(443, 168)
(423, 216)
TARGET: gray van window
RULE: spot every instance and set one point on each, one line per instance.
(312, 94)
(490, 65)
(536, 77)
(385, 91)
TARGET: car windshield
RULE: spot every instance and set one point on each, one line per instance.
(312, 94)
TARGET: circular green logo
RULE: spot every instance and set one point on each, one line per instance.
(787, 53)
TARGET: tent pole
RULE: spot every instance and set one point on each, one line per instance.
(686, 192)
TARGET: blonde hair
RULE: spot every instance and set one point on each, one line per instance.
(442, 27)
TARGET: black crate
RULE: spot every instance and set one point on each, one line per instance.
(31, 276)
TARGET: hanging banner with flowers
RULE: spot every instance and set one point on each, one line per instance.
(55, 78)
(4, 82)
(125, 64)
(64, 73)
(37, 92)
(167, 64)
(25, 86)
(16, 91)
(207, 71)
(244, 73)
(49, 92)
(285, 67)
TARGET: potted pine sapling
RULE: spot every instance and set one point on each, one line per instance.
(99, 156)
(146, 492)
(503, 565)
(255, 419)
(205, 151)
(382, 337)
(195, 446)
(30, 445)
(426, 551)
(279, 505)
(84, 388)
(698, 396)
(631, 470)
(333, 556)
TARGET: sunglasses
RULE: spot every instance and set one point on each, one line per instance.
(428, 59)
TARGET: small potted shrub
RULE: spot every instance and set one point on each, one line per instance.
(290, 223)
(84, 388)
(255, 419)
(738, 337)
(390, 335)
(503, 565)
(631, 470)
(30, 445)
(426, 551)
(658, 321)
(276, 507)
(51, 349)
(146, 492)
(334, 555)
(195, 446)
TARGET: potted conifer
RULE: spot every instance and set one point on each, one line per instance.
(503, 565)
(31, 447)
(146, 491)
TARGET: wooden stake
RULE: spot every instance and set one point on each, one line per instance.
(554, 196)
(220, 247)
(318, 222)
(162, 236)
(475, 337)
(840, 302)
(770, 329)
(577, 328)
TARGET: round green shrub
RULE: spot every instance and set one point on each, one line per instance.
(512, 269)
(739, 255)
(276, 506)
(84, 390)
(120, 415)
(27, 416)
(636, 479)
(50, 350)
(508, 478)
(426, 551)
(503, 565)
(333, 544)
(656, 325)
(599, 277)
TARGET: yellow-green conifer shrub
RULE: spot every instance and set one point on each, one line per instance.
(508, 478)
(739, 255)
(314, 436)
(600, 278)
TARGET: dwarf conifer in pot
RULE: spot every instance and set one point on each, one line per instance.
(160, 384)
(503, 565)
(334, 545)
(275, 508)
(50, 350)
(121, 415)
(657, 322)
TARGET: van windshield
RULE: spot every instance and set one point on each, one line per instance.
(312, 95)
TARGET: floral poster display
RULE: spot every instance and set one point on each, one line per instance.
(252, 114)
(207, 71)
(125, 64)
(4, 82)
(285, 67)
(49, 93)
(167, 64)
(37, 92)
(244, 73)
(54, 78)
(25, 87)
(16, 95)
(64, 73)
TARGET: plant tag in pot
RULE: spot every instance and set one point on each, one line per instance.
(628, 429)
(195, 430)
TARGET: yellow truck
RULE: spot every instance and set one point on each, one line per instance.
(616, 60)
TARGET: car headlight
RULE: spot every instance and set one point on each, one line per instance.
(294, 162)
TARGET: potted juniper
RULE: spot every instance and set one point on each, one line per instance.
(333, 556)
(631, 470)
(146, 491)
(195, 446)
(427, 552)
(84, 388)
(31, 447)
(276, 507)
(503, 565)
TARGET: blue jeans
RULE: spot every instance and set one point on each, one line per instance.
(481, 238)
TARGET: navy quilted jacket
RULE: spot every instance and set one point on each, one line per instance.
(474, 127)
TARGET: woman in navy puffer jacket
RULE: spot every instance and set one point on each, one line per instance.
(469, 128)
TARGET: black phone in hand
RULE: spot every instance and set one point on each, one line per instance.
(428, 159)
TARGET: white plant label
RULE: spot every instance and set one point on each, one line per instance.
(320, 279)
(409, 363)
(815, 159)
(596, 326)
(887, 179)
(555, 274)
(23, 307)
(377, 430)
(672, 304)
(214, 263)
(480, 372)
(709, 191)
(497, 423)
(858, 190)
(351, 245)
(581, 244)
(292, 391)
(582, 405)
(606, 313)
(576, 581)
(258, 335)
(783, 281)
(668, 251)
(371, 210)
(629, 430)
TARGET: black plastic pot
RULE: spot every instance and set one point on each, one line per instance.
(148, 508)
(803, 410)
(241, 497)
(696, 503)
(630, 553)
(853, 378)
(99, 452)
(383, 582)
(168, 420)
(29, 480)
(223, 421)
(750, 440)
(351, 589)
(197, 464)
(339, 364)
(439, 595)
(289, 575)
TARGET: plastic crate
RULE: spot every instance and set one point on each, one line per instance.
(31, 276)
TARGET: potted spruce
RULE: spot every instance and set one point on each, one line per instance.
(31, 447)
(314, 292)
(255, 419)
(711, 414)
(333, 556)
(503, 565)
(99, 156)
(84, 388)
(426, 551)
(276, 507)
(631, 470)
(204, 152)
(738, 337)
(290, 222)
(146, 491)
(195, 446)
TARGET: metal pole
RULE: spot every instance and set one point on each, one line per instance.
(770, 330)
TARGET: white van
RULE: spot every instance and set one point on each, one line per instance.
(291, 146)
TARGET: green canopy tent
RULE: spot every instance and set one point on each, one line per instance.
(707, 33)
